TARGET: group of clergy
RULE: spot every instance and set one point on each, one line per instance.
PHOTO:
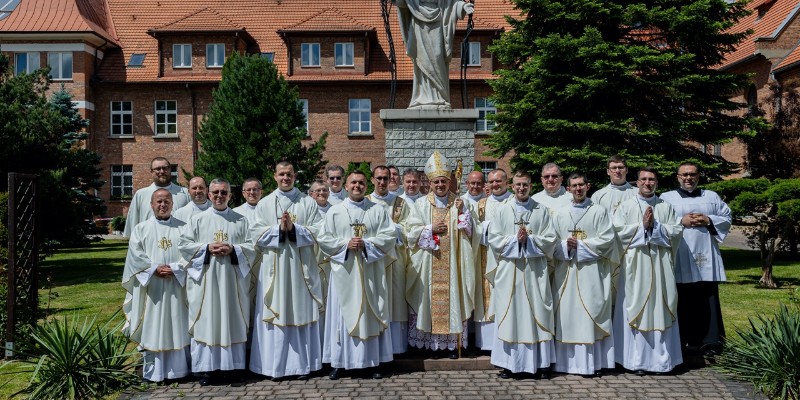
(550, 281)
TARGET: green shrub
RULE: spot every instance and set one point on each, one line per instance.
(73, 359)
(767, 354)
(118, 223)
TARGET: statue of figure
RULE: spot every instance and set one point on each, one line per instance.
(428, 28)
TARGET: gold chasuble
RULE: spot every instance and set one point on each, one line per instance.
(440, 284)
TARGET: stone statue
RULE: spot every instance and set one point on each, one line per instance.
(428, 28)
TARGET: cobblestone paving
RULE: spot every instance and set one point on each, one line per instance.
(464, 385)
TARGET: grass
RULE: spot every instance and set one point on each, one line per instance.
(86, 282)
(742, 297)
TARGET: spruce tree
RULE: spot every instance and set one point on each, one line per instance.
(254, 122)
(586, 79)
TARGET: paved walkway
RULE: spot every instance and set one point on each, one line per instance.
(700, 383)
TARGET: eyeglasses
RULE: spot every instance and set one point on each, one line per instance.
(220, 192)
(551, 176)
(617, 168)
(334, 178)
(688, 175)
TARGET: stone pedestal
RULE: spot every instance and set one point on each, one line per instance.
(413, 135)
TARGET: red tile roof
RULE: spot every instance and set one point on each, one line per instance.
(61, 16)
(204, 19)
(777, 14)
(263, 19)
(329, 19)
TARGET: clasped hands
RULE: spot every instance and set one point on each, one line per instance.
(164, 271)
(440, 228)
(220, 249)
(356, 243)
(693, 219)
(649, 219)
(286, 223)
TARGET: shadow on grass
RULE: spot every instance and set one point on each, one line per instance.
(95, 248)
(78, 271)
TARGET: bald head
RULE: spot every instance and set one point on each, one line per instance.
(198, 190)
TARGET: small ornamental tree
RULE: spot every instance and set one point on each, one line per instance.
(774, 207)
(586, 79)
(254, 122)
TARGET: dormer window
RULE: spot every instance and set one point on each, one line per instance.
(181, 56)
(309, 54)
(343, 54)
(137, 60)
(269, 56)
(215, 55)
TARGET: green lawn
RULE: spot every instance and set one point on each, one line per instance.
(86, 282)
(742, 297)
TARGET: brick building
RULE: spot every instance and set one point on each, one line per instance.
(143, 71)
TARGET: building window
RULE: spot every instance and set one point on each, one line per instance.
(486, 167)
(718, 150)
(304, 104)
(474, 54)
(173, 173)
(26, 62)
(309, 54)
(215, 55)
(360, 110)
(181, 56)
(121, 118)
(269, 56)
(485, 107)
(60, 65)
(137, 60)
(121, 182)
(343, 54)
(166, 117)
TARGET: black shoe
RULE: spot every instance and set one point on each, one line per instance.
(377, 375)
(640, 372)
(335, 374)
(505, 374)
(304, 377)
(453, 355)
(277, 379)
(205, 381)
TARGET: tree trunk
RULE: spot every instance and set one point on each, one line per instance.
(766, 267)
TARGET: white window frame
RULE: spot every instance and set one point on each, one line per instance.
(474, 54)
(60, 65)
(212, 55)
(484, 107)
(307, 53)
(162, 118)
(179, 55)
(121, 113)
(340, 50)
(356, 115)
(33, 61)
(269, 55)
(304, 103)
(173, 173)
(119, 189)
(718, 150)
(486, 167)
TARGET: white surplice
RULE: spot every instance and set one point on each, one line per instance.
(156, 316)
(286, 332)
(357, 333)
(249, 212)
(186, 212)
(646, 335)
(611, 196)
(553, 201)
(218, 289)
(582, 281)
(522, 300)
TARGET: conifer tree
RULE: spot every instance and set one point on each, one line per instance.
(587, 79)
(254, 122)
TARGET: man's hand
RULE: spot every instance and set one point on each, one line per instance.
(459, 203)
(522, 234)
(649, 219)
(469, 8)
(691, 220)
(572, 243)
(286, 222)
(164, 271)
(355, 243)
(220, 249)
(439, 228)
